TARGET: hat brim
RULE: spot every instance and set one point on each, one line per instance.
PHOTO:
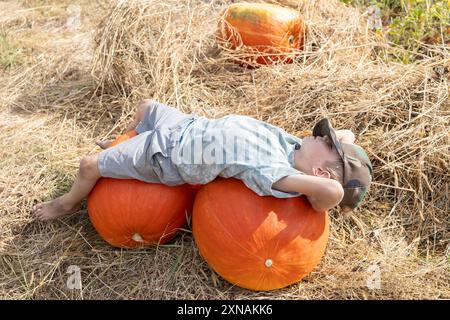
(324, 128)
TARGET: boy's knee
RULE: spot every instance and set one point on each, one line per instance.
(146, 103)
(89, 167)
(143, 106)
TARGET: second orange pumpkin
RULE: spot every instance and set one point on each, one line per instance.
(266, 33)
(129, 213)
(258, 243)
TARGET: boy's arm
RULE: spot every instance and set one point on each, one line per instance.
(322, 193)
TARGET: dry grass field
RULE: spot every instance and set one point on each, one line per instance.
(71, 72)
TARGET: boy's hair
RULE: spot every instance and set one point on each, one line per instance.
(336, 169)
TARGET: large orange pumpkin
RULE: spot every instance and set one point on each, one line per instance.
(130, 213)
(265, 33)
(258, 243)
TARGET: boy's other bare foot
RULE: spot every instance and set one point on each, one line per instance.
(53, 209)
(104, 144)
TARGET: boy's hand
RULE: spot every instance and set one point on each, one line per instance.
(345, 136)
(322, 193)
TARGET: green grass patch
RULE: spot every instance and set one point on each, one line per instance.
(10, 53)
(410, 24)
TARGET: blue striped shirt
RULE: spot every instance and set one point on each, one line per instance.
(236, 146)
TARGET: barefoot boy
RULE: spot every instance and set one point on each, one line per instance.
(176, 148)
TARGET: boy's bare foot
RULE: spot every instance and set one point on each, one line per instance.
(53, 209)
(104, 144)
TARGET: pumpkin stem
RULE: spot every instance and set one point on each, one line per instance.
(268, 263)
(137, 237)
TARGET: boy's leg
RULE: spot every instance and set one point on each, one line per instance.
(152, 115)
(87, 176)
(140, 113)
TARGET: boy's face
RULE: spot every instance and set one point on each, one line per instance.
(318, 150)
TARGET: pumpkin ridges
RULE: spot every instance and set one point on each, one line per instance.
(229, 269)
(151, 219)
(250, 37)
(131, 212)
(204, 243)
(262, 30)
(126, 215)
(140, 197)
(97, 212)
(164, 221)
(111, 227)
(310, 234)
(176, 222)
(118, 229)
(266, 236)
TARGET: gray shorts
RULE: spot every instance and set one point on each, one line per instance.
(147, 156)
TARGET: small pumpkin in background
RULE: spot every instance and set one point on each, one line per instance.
(129, 213)
(263, 33)
(258, 243)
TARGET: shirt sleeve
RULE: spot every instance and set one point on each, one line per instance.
(260, 179)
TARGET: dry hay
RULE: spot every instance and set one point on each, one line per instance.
(400, 114)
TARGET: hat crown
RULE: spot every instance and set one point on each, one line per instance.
(357, 166)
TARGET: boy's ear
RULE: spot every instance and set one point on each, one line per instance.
(319, 172)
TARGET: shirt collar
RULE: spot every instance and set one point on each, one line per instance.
(296, 146)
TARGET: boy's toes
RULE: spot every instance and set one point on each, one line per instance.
(40, 215)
